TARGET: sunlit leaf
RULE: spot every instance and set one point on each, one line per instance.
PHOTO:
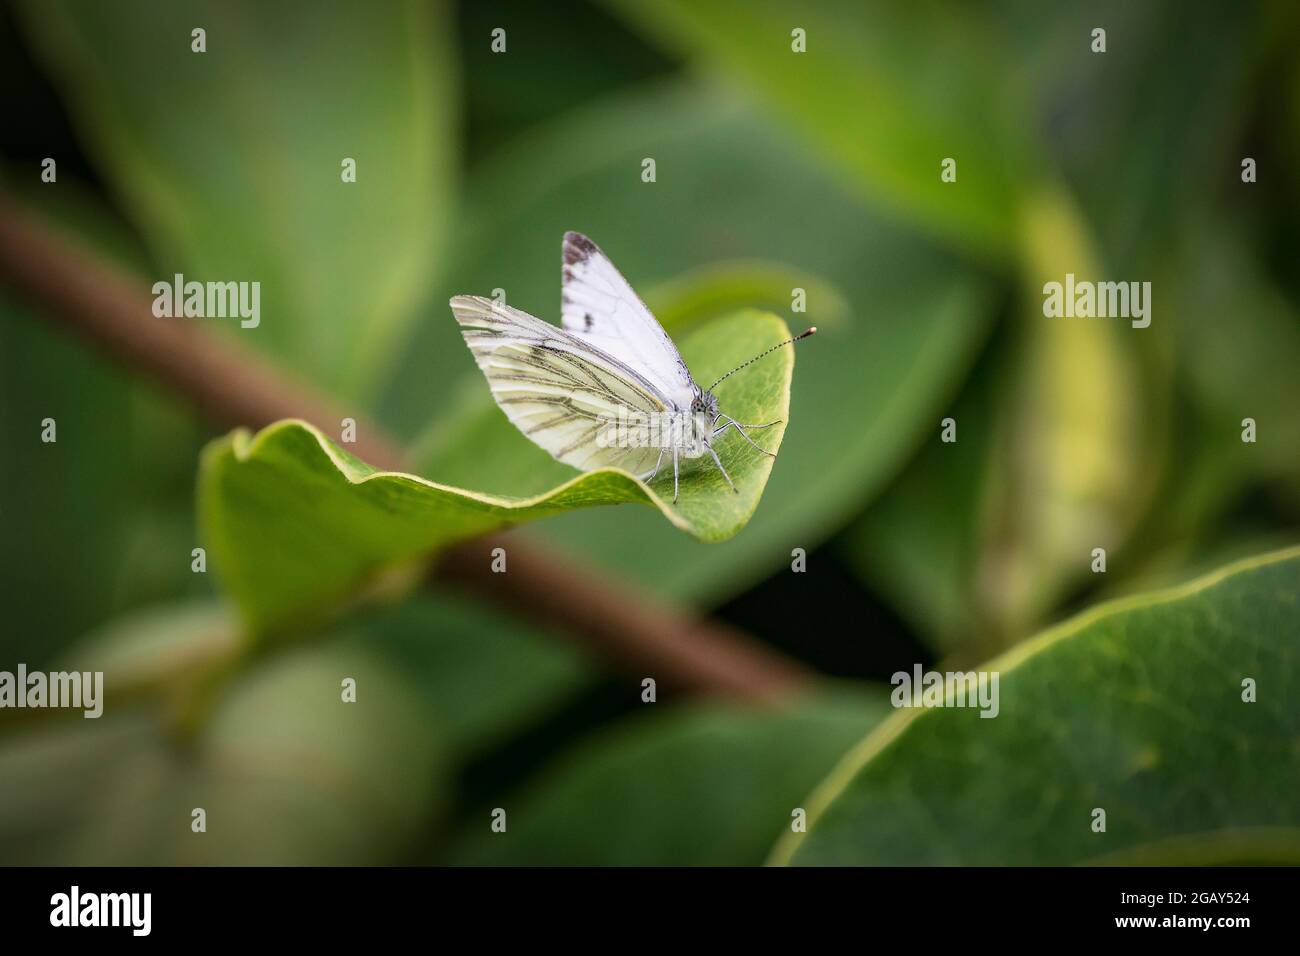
(293, 520)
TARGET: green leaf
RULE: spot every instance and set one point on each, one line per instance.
(867, 385)
(292, 519)
(1134, 707)
(262, 122)
(700, 786)
(887, 92)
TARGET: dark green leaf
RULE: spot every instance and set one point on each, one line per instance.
(1135, 708)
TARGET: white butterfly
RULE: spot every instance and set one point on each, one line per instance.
(609, 389)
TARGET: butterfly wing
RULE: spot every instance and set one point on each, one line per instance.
(599, 306)
(557, 389)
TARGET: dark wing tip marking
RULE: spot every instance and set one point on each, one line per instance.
(577, 248)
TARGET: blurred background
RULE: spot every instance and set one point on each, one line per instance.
(775, 170)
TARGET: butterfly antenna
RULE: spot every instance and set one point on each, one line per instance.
(801, 335)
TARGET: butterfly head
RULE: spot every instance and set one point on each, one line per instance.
(705, 403)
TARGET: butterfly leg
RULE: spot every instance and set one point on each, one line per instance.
(742, 425)
(674, 476)
(718, 461)
(650, 477)
(739, 428)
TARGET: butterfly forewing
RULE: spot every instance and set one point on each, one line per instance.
(556, 388)
(599, 306)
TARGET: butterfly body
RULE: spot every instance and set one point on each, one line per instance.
(687, 432)
(606, 389)
(697, 425)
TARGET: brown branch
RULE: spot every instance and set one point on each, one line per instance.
(231, 385)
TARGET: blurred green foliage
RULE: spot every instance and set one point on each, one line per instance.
(775, 170)
(264, 121)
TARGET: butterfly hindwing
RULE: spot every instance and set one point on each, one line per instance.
(599, 306)
(556, 388)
